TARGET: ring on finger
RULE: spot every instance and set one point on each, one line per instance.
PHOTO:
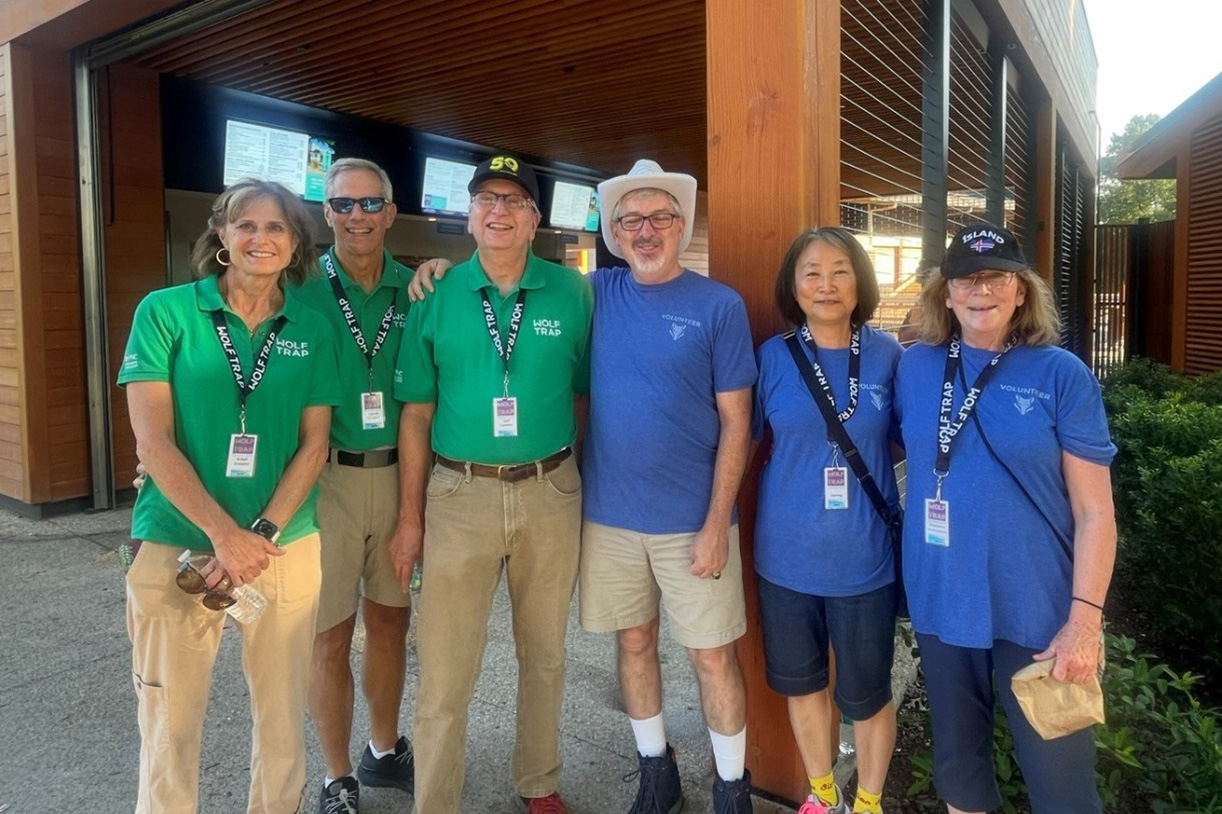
(716, 575)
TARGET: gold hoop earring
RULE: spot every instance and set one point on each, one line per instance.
(227, 261)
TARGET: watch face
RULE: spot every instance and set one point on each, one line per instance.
(264, 528)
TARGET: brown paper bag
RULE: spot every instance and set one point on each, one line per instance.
(1056, 708)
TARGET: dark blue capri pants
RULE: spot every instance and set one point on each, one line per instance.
(1059, 773)
(797, 629)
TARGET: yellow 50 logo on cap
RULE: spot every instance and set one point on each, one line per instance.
(504, 162)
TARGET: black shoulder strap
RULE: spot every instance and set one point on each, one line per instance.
(838, 433)
(1065, 544)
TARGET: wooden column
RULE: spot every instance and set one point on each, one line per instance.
(1044, 254)
(1179, 276)
(774, 170)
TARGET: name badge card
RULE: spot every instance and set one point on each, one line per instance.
(373, 416)
(505, 417)
(937, 522)
(241, 463)
(835, 487)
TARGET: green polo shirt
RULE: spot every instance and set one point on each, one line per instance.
(174, 340)
(447, 357)
(347, 426)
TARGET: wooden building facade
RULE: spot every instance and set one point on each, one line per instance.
(1187, 146)
(899, 119)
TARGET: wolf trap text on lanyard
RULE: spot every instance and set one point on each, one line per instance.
(937, 510)
(240, 462)
(505, 407)
(373, 411)
(836, 477)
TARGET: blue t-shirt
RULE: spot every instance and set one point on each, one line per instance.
(1005, 574)
(659, 355)
(798, 543)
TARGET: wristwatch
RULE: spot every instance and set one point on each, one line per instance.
(266, 528)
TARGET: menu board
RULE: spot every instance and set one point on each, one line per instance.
(297, 160)
(445, 186)
(574, 206)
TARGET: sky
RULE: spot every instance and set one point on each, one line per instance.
(1153, 54)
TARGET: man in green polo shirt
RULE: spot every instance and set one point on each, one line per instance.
(491, 367)
(361, 293)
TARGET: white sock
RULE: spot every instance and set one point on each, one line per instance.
(730, 754)
(380, 755)
(327, 781)
(650, 736)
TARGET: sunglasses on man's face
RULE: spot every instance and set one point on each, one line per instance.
(192, 581)
(369, 206)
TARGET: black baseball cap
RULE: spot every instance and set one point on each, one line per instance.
(509, 167)
(980, 247)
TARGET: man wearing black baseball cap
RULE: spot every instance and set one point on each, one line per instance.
(492, 369)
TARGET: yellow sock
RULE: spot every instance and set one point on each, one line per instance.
(825, 789)
(867, 803)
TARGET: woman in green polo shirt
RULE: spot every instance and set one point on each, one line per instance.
(230, 386)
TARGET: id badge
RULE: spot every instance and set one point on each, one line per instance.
(835, 487)
(241, 462)
(937, 522)
(373, 415)
(505, 417)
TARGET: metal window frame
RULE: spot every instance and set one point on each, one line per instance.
(86, 60)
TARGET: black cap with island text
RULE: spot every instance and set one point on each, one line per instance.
(983, 247)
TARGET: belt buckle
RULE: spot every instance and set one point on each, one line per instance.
(502, 469)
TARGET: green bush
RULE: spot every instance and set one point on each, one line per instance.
(1167, 480)
(1161, 751)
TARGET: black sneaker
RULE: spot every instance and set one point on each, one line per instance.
(343, 796)
(732, 796)
(395, 771)
(659, 792)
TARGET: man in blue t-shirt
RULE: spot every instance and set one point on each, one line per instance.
(670, 419)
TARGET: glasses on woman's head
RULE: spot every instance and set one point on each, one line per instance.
(658, 220)
(191, 581)
(513, 201)
(369, 206)
(993, 280)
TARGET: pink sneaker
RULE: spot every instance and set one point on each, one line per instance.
(814, 806)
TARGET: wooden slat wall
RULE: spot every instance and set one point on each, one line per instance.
(696, 257)
(1203, 334)
(14, 480)
(134, 207)
(49, 333)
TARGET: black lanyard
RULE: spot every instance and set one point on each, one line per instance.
(948, 430)
(504, 350)
(245, 388)
(345, 307)
(854, 374)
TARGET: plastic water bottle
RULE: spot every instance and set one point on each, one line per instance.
(248, 604)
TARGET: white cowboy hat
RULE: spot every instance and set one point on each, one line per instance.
(647, 174)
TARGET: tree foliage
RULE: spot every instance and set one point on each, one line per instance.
(1126, 201)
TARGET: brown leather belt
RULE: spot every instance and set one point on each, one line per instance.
(508, 472)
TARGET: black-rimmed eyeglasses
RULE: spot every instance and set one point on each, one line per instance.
(658, 220)
(369, 206)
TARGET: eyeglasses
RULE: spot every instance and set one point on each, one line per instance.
(191, 581)
(513, 201)
(369, 206)
(658, 220)
(993, 280)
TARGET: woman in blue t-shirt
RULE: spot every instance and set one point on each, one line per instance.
(1010, 535)
(823, 552)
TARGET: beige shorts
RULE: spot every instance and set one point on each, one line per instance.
(358, 510)
(625, 573)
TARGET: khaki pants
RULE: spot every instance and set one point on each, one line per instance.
(474, 528)
(174, 644)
